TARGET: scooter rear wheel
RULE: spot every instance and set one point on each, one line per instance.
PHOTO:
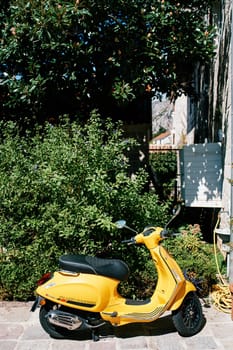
(189, 319)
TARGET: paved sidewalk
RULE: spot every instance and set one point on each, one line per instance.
(20, 330)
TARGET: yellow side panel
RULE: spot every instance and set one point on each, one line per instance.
(81, 291)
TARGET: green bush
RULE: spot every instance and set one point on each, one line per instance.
(164, 166)
(61, 189)
(195, 257)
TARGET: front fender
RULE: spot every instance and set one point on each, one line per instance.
(188, 287)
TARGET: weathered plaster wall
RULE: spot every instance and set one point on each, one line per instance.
(208, 119)
(219, 119)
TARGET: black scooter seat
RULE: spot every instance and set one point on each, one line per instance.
(113, 268)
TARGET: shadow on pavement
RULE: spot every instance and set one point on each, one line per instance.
(161, 326)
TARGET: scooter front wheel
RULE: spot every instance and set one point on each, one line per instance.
(189, 319)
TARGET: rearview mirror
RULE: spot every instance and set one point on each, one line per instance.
(120, 223)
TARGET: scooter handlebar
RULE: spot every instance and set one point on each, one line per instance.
(129, 241)
(164, 233)
(168, 234)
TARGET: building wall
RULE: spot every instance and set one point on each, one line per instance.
(219, 118)
(208, 119)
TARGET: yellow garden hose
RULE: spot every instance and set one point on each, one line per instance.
(221, 295)
(221, 298)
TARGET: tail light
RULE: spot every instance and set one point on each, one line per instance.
(44, 278)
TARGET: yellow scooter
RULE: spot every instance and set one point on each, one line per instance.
(83, 294)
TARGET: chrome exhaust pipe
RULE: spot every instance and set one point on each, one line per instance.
(64, 319)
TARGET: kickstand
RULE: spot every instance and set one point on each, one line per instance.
(95, 336)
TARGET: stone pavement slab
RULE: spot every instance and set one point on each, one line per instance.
(20, 330)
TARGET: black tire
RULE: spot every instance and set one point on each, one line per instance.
(189, 319)
(56, 331)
